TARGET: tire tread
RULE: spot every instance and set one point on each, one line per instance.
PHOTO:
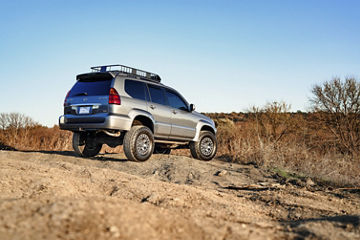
(130, 142)
(195, 147)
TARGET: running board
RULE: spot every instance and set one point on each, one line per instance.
(171, 142)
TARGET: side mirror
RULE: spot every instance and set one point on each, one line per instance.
(192, 107)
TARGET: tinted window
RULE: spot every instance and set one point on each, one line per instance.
(135, 89)
(157, 95)
(175, 101)
(90, 88)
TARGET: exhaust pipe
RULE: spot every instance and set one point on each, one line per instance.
(115, 134)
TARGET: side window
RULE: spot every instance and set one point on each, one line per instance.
(135, 89)
(157, 95)
(176, 101)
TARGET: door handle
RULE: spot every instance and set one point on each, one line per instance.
(152, 106)
(174, 111)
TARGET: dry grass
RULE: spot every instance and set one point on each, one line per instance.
(40, 138)
(298, 143)
(36, 138)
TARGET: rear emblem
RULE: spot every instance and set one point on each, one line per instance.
(85, 99)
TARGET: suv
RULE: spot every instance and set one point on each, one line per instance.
(120, 105)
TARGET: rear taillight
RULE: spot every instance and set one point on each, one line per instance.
(114, 97)
(67, 95)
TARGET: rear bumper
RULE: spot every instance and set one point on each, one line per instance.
(81, 123)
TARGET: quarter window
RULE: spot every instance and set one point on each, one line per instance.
(135, 89)
(176, 101)
(157, 94)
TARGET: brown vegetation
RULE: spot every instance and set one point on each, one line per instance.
(21, 132)
(298, 144)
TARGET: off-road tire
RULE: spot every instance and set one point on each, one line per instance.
(80, 139)
(162, 150)
(209, 142)
(142, 152)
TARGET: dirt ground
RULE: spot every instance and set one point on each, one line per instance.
(56, 195)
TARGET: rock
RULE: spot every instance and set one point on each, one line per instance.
(294, 181)
(114, 190)
(310, 182)
(115, 231)
(264, 183)
(221, 173)
(86, 173)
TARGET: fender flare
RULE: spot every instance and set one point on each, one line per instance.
(199, 126)
(138, 112)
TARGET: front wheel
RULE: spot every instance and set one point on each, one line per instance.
(204, 149)
(138, 143)
(83, 147)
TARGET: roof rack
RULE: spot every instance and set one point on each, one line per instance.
(128, 70)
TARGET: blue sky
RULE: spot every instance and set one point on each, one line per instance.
(223, 56)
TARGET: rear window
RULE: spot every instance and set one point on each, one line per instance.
(135, 89)
(90, 88)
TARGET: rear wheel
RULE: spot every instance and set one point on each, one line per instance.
(139, 143)
(204, 149)
(83, 146)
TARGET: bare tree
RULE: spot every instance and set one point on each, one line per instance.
(4, 121)
(15, 121)
(339, 104)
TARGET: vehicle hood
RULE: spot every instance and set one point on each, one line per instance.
(204, 118)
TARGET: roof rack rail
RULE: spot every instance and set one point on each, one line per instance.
(128, 70)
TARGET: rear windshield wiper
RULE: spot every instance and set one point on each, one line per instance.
(81, 94)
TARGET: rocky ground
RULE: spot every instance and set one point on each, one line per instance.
(55, 195)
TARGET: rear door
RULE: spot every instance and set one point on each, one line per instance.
(160, 111)
(183, 126)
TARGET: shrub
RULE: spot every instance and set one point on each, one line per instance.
(339, 104)
(272, 136)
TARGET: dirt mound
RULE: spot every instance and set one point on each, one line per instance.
(57, 196)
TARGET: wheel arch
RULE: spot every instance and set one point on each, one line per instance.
(203, 126)
(140, 117)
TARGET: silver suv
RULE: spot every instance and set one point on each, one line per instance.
(120, 105)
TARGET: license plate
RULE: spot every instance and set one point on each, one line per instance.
(84, 110)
